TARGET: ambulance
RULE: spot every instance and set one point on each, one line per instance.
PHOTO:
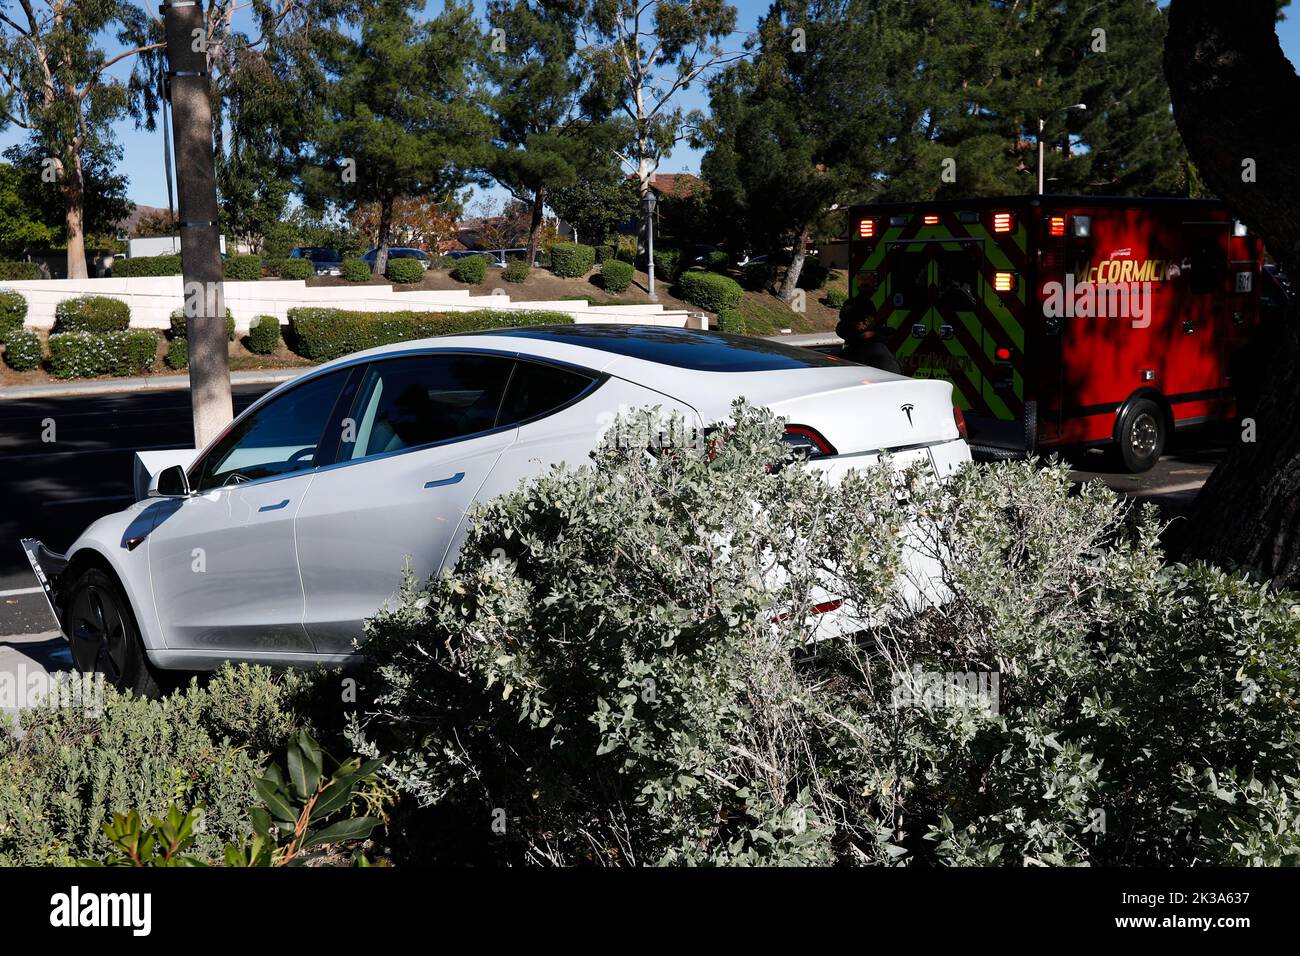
(1067, 321)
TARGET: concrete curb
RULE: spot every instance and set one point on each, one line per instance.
(151, 383)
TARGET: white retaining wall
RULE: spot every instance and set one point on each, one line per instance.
(153, 299)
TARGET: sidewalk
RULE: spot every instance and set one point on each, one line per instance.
(143, 383)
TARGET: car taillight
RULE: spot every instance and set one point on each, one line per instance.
(960, 419)
(1003, 221)
(866, 228)
(807, 442)
(931, 220)
(1056, 227)
(1004, 282)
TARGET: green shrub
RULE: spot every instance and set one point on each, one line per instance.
(178, 352)
(355, 270)
(169, 265)
(813, 275)
(757, 276)
(264, 335)
(19, 271)
(730, 320)
(626, 252)
(516, 270)
(666, 262)
(470, 269)
(321, 334)
(179, 328)
(91, 313)
(242, 268)
(592, 667)
(13, 312)
(836, 298)
(441, 262)
(604, 252)
(22, 350)
(404, 271)
(87, 354)
(572, 260)
(291, 268)
(709, 290)
(717, 261)
(279, 239)
(616, 276)
(75, 767)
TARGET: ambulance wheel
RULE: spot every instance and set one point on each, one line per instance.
(104, 637)
(1141, 435)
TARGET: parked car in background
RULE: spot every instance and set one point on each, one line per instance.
(276, 542)
(326, 261)
(398, 252)
(510, 255)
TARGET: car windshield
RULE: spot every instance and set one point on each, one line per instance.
(684, 348)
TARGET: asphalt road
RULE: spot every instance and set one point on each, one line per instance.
(52, 490)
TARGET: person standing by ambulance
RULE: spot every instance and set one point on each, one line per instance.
(859, 327)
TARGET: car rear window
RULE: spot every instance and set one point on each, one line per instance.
(683, 348)
(539, 389)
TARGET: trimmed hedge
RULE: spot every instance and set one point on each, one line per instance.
(13, 311)
(92, 313)
(169, 265)
(291, 268)
(471, 270)
(355, 270)
(404, 271)
(264, 335)
(717, 261)
(615, 276)
(836, 298)
(85, 354)
(516, 270)
(179, 329)
(23, 350)
(666, 262)
(813, 275)
(242, 268)
(321, 334)
(19, 271)
(178, 353)
(757, 276)
(572, 260)
(730, 320)
(709, 290)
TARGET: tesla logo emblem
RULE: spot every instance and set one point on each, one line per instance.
(908, 410)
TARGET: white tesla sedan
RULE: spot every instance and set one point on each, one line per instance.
(278, 540)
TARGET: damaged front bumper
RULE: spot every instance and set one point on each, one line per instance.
(47, 566)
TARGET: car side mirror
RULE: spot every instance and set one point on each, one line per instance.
(170, 483)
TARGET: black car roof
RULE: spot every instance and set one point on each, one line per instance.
(683, 348)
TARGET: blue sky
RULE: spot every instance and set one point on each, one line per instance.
(142, 157)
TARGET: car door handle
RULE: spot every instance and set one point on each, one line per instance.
(274, 507)
(445, 481)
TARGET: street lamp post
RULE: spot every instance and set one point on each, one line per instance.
(1042, 121)
(648, 203)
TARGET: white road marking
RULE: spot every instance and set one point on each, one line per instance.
(17, 591)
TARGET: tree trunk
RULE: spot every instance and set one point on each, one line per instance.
(1226, 74)
(74, 198)
(790, 284)
(535, 226)
(385, 230)
(196, 181)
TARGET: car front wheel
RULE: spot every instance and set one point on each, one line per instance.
(102, 631)
(1142, 434)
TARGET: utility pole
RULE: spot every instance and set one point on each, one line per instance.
(196, 187)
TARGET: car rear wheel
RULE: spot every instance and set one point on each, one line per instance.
(102, 631)
(1141, 435)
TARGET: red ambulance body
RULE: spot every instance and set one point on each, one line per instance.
(1067, 321)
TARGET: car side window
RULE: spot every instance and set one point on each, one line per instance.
(423, 399)
(537, 389)
(279, 438)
